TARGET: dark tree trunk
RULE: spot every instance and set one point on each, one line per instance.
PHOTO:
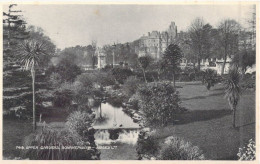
(144, 75)
(100, 113)
(224, 63)
(234, 117)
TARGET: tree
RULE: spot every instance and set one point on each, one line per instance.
(171, 60)
(200, 40)
(14, 27)
(31, 52)
(252, 28)
(37, 33)
(68, 71)
(244, 59)
(93, 51)
(158, 103)
(130, 86)
(121, 74)
(232, 91)
(228, 39)
(144, 62)
(14, 32)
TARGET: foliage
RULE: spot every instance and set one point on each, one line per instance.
(85, 80)
(176, 148)
(248, 81)
(31, 52)
(248, 152)
(245, 58)
(102, 78)
(37, 33)
(144, 62)
(171, 60)
(147, 144)
(55, 80)
(67, 70)
(79, 121)
(14, 31)
(62, 98)
(200, 40)
(210, 78)
(130, 86)
(232, 90)
(133, 101)
(158, 103)
(59, 139)
(123, 53)
(228, 39)
(121, 74)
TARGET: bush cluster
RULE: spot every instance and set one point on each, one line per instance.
(247, 152)
(176, 148)
(159, 102)
(79, 121)
(173, 148)
(58, 139)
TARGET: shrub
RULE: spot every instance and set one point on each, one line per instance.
(79, 121)
(248, 81)
(176, 148)
(62, 98)
(248, 152)
(184, 77)
(130, 86)
(86, 81)
(58, 139)
(210, 78)
(133, 101)
(102, 78)
(121, 74)
(147, 144)
(158, 103)
(55, 80)
(67, 70)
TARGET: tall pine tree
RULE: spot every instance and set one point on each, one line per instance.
(14, 31)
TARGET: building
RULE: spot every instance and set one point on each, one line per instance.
(155, 43)
(211, 63)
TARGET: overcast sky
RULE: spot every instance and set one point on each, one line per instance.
(70, 25)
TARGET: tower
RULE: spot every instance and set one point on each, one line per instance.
(101, 58)
(172, 32)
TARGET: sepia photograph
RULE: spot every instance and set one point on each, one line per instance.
(129, 81)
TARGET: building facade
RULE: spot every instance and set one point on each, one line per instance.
(155, 43)
(211, 63)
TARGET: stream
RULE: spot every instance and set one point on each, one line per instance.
(116, 133)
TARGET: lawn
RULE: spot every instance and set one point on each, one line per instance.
(13, 135)
(14, 130)
(208, 123)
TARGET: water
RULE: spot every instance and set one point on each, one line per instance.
(113, 116)
(110, 118)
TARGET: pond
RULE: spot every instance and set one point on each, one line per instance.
(116, 133)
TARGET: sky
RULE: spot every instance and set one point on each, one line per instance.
(71, 25)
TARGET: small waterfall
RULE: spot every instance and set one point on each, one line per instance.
(125, 136)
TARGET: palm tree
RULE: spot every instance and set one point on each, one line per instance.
(232, 91)
(31, 52)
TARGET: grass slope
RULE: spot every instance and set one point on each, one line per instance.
(208, 124)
